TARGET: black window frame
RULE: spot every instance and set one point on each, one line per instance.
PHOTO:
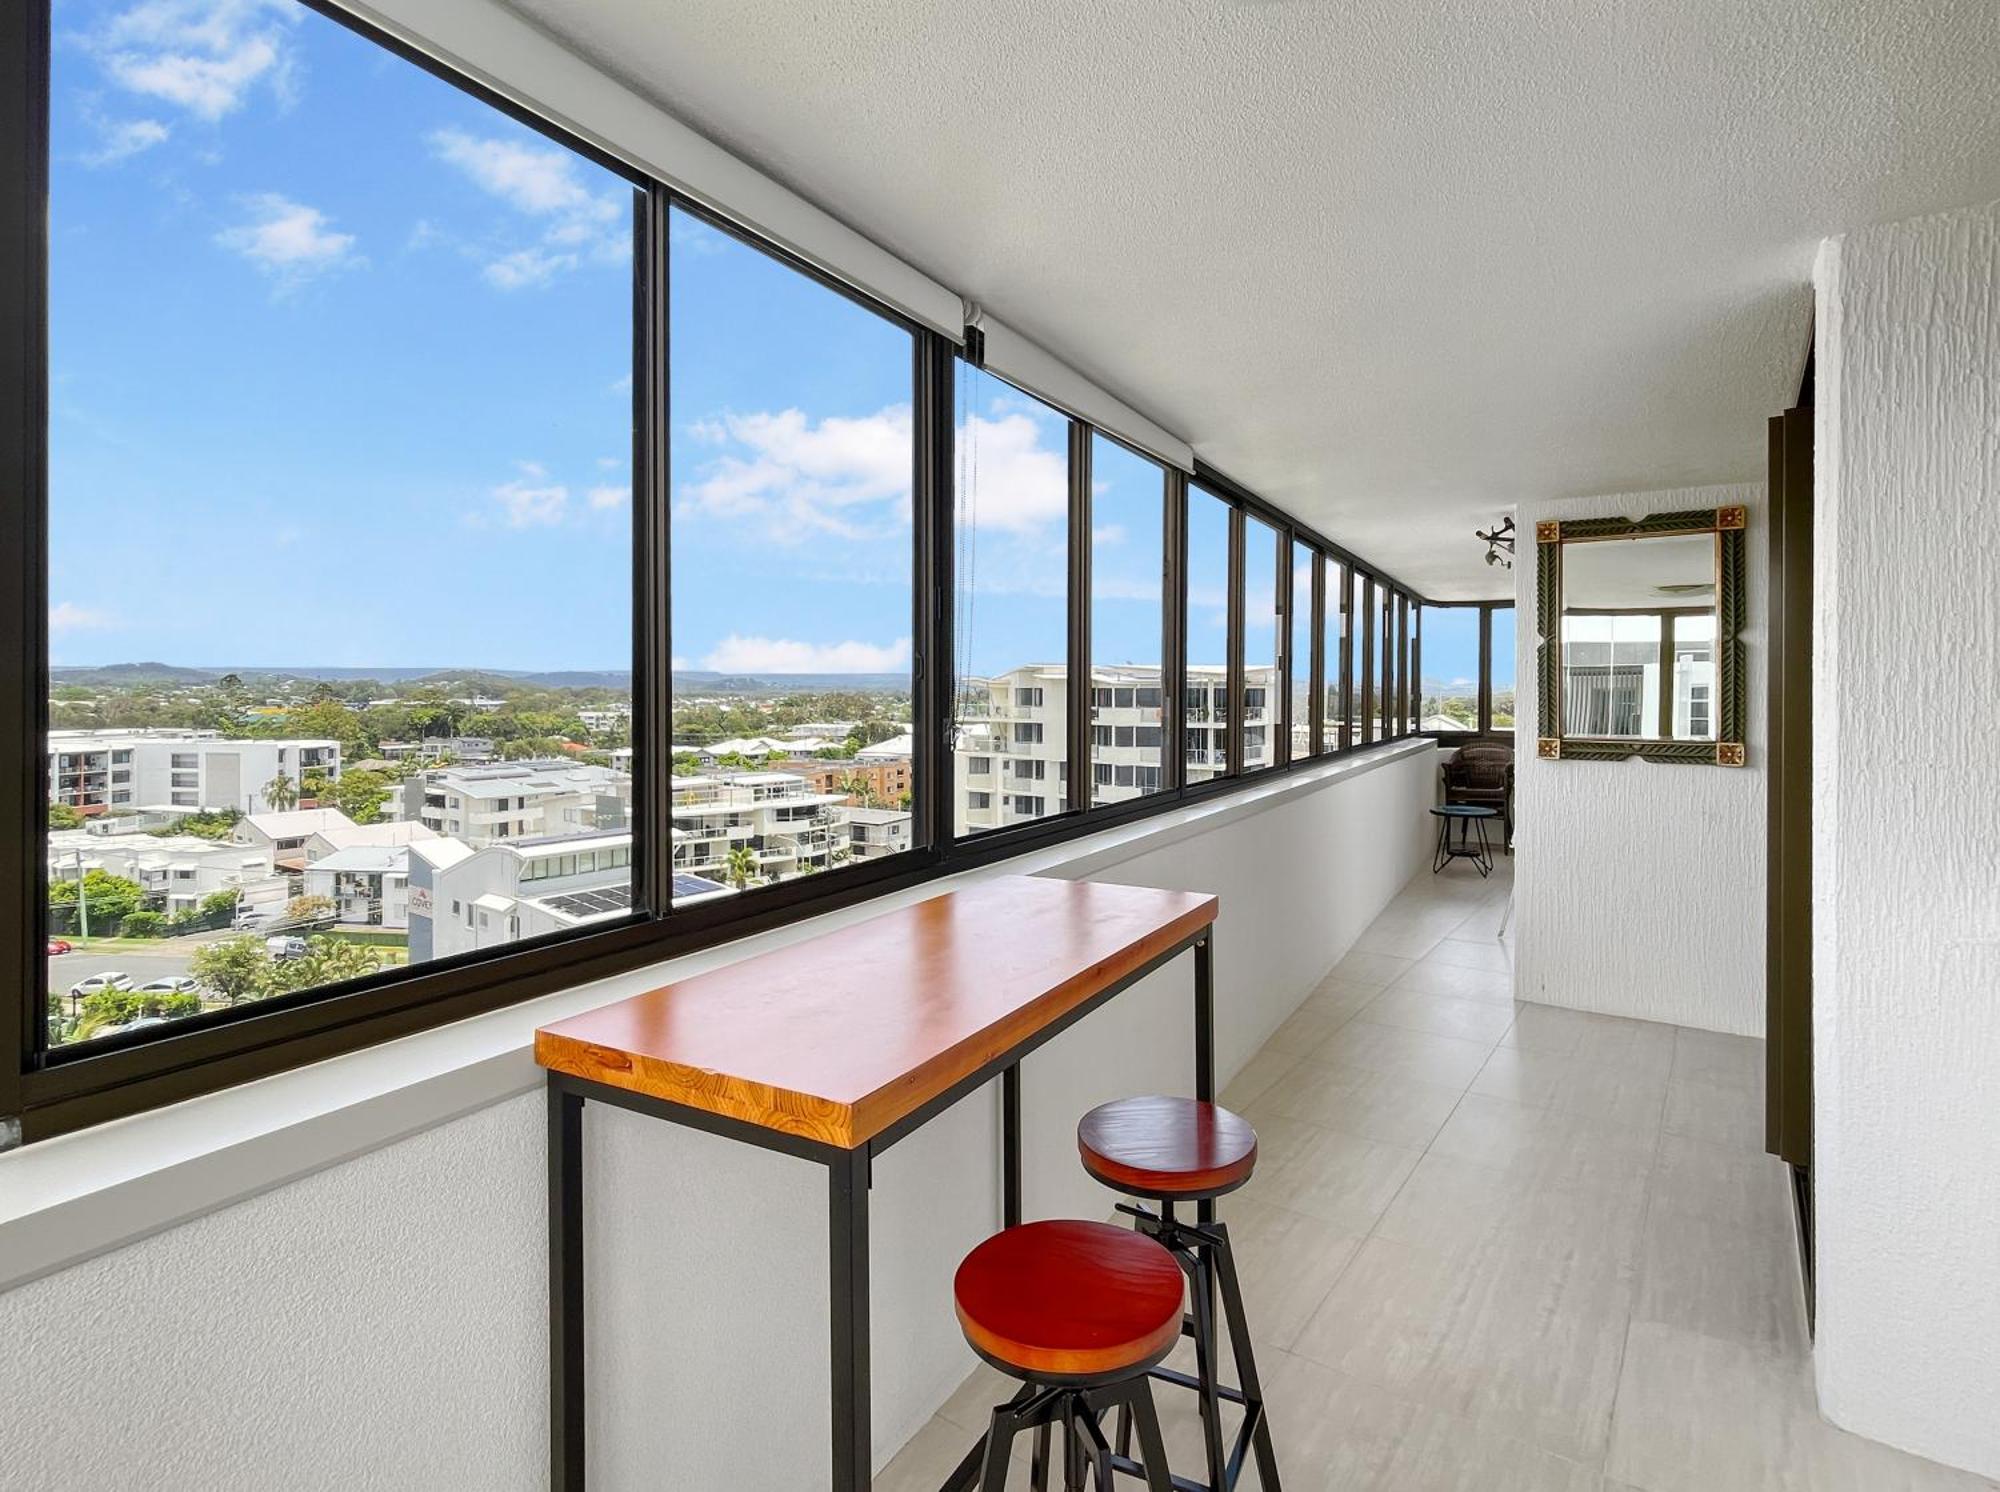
(45, 1093)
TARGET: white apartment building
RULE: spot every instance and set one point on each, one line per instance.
(367, 884)
(519, 800)
(786, 826)
(461, 899)
(1009, 764)
(873, 833)
(97, 771)
(175, 871)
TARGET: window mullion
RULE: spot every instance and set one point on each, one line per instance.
(1077, 796)
(652, 642)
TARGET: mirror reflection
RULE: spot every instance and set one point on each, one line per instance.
(1638, 637)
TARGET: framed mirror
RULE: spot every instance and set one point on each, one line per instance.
(1638, 652)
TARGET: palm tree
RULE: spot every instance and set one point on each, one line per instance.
(859, 786)
(281, 793)
(740, 866)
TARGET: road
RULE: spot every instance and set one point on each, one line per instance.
(66, 969)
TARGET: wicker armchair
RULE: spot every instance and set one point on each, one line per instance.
(1481, 772)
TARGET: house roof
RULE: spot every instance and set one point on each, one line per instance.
(299, 822)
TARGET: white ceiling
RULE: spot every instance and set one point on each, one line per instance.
(1394, 264)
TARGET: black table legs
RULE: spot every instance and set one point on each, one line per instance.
(565, 1289)
(847, 1294)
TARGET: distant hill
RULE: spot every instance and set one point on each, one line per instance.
(476, 680)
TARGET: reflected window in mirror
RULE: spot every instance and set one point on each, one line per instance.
(1638, 638)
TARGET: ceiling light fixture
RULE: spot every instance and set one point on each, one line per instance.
(1499, 543)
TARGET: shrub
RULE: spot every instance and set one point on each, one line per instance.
(144, 924)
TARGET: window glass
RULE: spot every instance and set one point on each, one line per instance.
(1412, 660)
(1300, 661)
(1263, 661)
(1611, 674)
(1207, 693)
(1503, 668)
(792, 462)
(340, 433)
(1333, 719)
(1450, 669)
(1127, 550)
(1694, 676)
(1011, 621)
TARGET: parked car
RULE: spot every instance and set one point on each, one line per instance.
(284, 948)
(96, 984)
(179, 984)
(58, 946)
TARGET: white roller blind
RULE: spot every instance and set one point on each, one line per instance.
(1022, 362)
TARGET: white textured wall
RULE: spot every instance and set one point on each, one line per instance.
(1639, 887)
(1906, 887)
(382, 1324)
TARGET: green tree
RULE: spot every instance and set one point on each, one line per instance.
(307, 908)
(62, 816)
(235, 969)
(281, 793)
(143, 924)
(216, 903)
(106, 897)
(740, 866)
(119, 1007)
(360, 794)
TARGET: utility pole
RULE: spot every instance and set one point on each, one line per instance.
(82, 904)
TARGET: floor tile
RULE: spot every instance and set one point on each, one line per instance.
(1256, 1076)
(1744, 1188)
(1491, 955)
(1372, 969)
(1361, 1101)
(1414, 1056)
(1545, 1028)
(1442, 1015)
(1574, 1083)
(1341, 1179)
(1721, 1280)
(1720, 1114)
(1430, 977)
(1286, 1263)
(1713, 1057)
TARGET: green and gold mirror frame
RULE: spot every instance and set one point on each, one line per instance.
(1732, 683)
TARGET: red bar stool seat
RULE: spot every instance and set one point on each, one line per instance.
(1079, 1312)
(1167, 1147)
(1179, 1151)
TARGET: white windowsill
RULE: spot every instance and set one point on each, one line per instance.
(78, 1195)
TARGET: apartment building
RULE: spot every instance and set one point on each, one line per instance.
(519, 800)
(874, 832)
(785, 824)
(367, 884)
(1009, 765)
(460, 899)
(97, 771)
(175, 871)
(880, 782)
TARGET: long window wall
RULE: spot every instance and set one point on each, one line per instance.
(741, 597)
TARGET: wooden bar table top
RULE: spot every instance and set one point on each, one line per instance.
(837, 1037)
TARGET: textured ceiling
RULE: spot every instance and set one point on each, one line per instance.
(1393, 265)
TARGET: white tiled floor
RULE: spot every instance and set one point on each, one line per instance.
(1498, 1245)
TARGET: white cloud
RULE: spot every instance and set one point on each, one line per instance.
(526, 268)
(1107, 534)
(1011, 481)
(527, 503)
(202, 55)
(608, 497)
(735, 654)
(289, 240)
(67, 616)
(543, 182)
(802, 478)
(124, 138)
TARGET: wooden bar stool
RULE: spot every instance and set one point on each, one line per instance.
(1180, 1150)
(1079, 1312)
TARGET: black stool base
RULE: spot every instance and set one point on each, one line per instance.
(1203, 1251)
(1078, 1409)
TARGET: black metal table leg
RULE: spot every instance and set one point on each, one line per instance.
(565, 1289)
(1010, 1146)
(847, 1281)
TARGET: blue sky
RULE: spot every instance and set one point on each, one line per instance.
(340, 375)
